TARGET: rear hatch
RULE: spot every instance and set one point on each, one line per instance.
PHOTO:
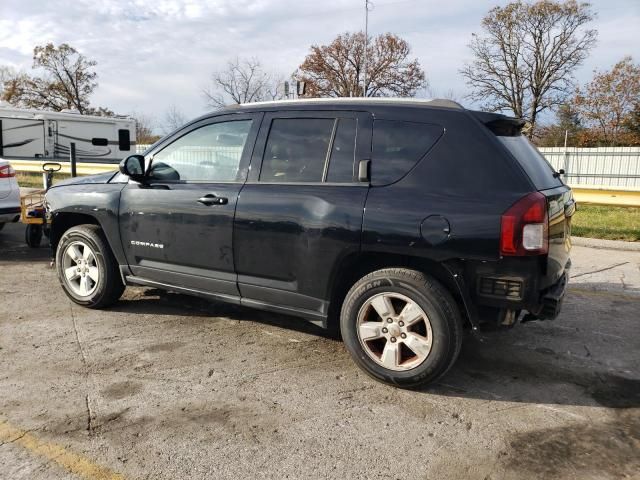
(560, 203)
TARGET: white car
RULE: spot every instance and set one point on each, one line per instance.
(9, 194)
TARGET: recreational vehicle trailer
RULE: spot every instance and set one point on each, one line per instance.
(38, 134)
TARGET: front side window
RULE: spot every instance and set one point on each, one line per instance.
(296, 150)
(210, 154)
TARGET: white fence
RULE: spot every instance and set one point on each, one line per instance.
(617, 167)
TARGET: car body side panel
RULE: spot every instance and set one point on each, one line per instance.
(98, 200)
(463, 179)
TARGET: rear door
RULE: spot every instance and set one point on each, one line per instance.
(300, 212)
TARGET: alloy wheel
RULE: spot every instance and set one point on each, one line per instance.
(80, 268)
(394, 331)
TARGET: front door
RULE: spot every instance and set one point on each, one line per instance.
(177, 226)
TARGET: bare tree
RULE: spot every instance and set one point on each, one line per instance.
(608, 102)
(525, 57)
(337, 69)
(67, 81)
(172, 120)
(144, 129)
(242, 81)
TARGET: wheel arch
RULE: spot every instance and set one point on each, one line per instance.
(355, 266)
(63, 221)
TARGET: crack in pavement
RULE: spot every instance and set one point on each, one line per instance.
(86, 370)
(600, 270)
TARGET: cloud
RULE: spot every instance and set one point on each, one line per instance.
(155, 53)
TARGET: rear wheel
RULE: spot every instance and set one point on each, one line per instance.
(401, 327)
(87, 269)
(33, 235)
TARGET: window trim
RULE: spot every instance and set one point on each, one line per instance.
(327, 157)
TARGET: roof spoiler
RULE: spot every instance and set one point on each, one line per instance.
(501, 124)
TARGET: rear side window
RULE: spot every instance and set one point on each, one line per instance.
(397, 147)
(296, 150)
(532, 161)
(343, 152)
(124, 140)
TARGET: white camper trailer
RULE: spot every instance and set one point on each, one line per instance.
(38, 134)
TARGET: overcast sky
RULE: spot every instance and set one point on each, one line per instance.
(155, 53)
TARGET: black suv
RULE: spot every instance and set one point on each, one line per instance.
(400, 221)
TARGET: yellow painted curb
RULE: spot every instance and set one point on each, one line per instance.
(620, 198)
(70, 461)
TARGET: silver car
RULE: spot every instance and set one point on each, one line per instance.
(9, 194)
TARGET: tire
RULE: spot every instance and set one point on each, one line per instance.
(407, 355)
(1, 225)
(87, 269)
(33, 235)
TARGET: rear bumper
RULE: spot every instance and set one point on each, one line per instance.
(9, 214)
(551, 300)
(519, 285)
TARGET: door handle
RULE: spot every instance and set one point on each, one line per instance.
(211, 199)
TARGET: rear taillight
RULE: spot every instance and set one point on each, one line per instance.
(524, 228)
(7, 171)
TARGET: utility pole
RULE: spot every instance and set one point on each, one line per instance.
(367, 4)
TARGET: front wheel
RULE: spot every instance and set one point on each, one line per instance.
(87, 269)
(402, 327)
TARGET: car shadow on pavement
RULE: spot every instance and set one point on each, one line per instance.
(495, 369)
(156, 301)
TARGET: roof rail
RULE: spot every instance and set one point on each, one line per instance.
(435, 102)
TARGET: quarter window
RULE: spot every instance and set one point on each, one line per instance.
(211, 153)
(397, 147)
(296, 150)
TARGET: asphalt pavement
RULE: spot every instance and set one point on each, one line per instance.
(165, 386)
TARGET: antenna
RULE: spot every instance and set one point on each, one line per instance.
(367, 5)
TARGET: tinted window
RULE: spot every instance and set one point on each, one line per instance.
(343, 152)
(296, 150)
(397, 147)
(210, 153)
(124, 140)
(532, 161)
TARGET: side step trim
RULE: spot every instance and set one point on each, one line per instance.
(133, 280)
(316, 318)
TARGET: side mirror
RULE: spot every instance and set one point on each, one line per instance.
(133, 167)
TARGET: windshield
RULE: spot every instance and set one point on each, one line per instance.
(532, 161)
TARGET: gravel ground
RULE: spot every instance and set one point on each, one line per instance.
(166, 386)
